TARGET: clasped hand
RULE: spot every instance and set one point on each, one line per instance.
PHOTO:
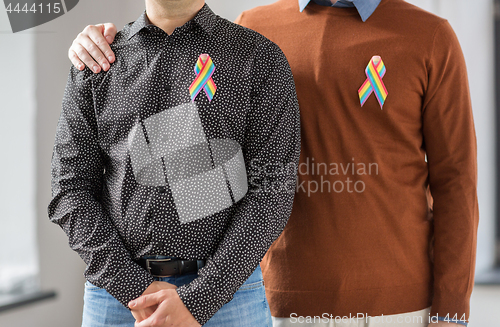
(160, 306)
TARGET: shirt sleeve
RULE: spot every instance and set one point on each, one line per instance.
(271, 153)
(76, 206)
(450, 142)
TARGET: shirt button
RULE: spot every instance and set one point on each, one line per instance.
(168, 88)
(162, 189)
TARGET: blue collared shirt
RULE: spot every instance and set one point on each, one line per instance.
(365, 7)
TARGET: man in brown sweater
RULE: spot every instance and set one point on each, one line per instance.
(386, 122)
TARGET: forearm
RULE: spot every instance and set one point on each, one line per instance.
(450, 142)
(96, 240)
(77, 186)
(254, 229)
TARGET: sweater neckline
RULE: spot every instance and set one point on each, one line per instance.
(314, 7)
(334, 11)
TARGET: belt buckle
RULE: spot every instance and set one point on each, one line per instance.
(148, 267)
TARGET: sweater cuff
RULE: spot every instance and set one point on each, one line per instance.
(129, 283)
(451, 307)
(204, 296)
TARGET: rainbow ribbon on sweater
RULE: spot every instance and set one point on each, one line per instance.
(204, 70)
(375, 71)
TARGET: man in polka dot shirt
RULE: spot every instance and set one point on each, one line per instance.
(386, 121)
(174, 170)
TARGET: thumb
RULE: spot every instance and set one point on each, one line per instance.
(145, 301)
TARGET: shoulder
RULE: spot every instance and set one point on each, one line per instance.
(266, 15)
(246, 39)
(423, 26)
(121, 38)
(237, 34)
(407, 9)
(409, 18)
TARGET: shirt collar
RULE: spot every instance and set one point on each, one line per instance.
(365, 7)
(205, 18)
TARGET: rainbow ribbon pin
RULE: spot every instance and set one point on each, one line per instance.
(375, 71)
(204, 70)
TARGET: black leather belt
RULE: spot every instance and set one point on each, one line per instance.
(170, 266)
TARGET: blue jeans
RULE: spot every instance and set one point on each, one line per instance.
(248, 308)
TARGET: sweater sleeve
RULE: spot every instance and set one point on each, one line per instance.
(271, 152)
(450, 142)
(76, 205)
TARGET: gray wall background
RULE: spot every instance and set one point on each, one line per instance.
(61, 269)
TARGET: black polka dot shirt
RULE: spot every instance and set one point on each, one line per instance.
(144, 163)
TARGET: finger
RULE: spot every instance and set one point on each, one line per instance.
(74, 60)
(147, 300)
(96, 45)
(137, 315)
(140, 315)
(84, 56)
(97, 36)
(109, 32)
(158, 318)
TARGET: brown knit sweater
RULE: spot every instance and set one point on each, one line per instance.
(358, 240)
